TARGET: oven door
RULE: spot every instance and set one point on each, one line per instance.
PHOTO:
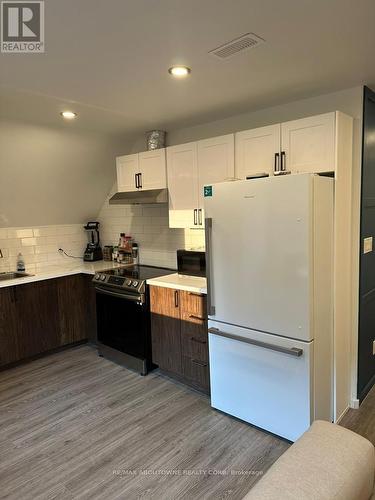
(123, 322)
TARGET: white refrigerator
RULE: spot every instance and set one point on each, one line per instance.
(269, 251)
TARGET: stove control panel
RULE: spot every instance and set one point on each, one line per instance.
(120, 282)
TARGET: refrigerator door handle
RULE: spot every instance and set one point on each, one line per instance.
(208, 233)
(293, 351)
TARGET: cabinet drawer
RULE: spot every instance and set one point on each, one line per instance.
(195, 345)
(196, 371)
(194, 303)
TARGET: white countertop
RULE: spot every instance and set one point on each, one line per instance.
(180, 282)
(64, 269)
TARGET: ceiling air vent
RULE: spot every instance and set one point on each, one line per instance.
(244, 42)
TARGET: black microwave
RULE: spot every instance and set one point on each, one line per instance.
(191, 263)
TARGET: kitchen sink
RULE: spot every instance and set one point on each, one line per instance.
(13, 275)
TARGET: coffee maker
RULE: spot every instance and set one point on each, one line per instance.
(93, 250)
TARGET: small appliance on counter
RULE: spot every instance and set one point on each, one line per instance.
(191, 262)
(107, 252)
(93, 250)
(123, 253)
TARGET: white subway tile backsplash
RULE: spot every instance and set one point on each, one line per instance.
(45, 231)
(39, 245)
(149, 226)
(29, 242)
(13, 252)
(20, 233)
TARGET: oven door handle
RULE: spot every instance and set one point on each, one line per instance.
(134, 298)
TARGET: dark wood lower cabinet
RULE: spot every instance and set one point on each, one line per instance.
(38, 318)
(165, 328)
(45, 315)
(179, 335)
(76, 309)
(8, 327)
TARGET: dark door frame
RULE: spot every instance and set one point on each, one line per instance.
(366, 313)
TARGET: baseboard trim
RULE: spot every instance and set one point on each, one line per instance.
(338, 420)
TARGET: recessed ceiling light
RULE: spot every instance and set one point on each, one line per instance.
(68, 115)
(179, 71)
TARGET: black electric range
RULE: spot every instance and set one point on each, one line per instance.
(123, 315)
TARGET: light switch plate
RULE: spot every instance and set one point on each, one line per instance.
(367, 245)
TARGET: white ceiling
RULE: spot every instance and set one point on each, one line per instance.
(108, 60)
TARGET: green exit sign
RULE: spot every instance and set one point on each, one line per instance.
(207, 191)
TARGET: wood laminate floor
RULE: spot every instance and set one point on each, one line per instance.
(362, 420)
(75, 426)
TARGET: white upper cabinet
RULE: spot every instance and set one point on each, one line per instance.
(308, 144)
(127, 169)
(190, 167)
(142, 171)
(215, 162)
(152, 168)
(257, 150)
(183, 185)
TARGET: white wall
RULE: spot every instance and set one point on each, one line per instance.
(53, 175)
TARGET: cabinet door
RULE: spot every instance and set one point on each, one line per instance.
(73, 304)
(194, 339)
(215, 164)
(8, 327)
(153, 169)
(309, 144)
(127, 168)
(166, 328)
(256, 150)
(38, 316)
(182, 174)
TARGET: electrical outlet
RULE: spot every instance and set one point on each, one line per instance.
(367, 245)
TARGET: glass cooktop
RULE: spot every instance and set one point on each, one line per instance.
(139, 272)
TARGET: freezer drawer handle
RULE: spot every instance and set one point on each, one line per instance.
(293, 351)
(208, 230)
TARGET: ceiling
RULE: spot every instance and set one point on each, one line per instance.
(108, 60)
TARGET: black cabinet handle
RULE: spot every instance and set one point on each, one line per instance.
(198, 340)
(140, 180)
(200, 216)
(176, 298)
(195, 217)
(283, 161)
(136, 180)
(197, 362)
(276, 165)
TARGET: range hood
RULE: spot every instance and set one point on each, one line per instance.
(147, 196)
